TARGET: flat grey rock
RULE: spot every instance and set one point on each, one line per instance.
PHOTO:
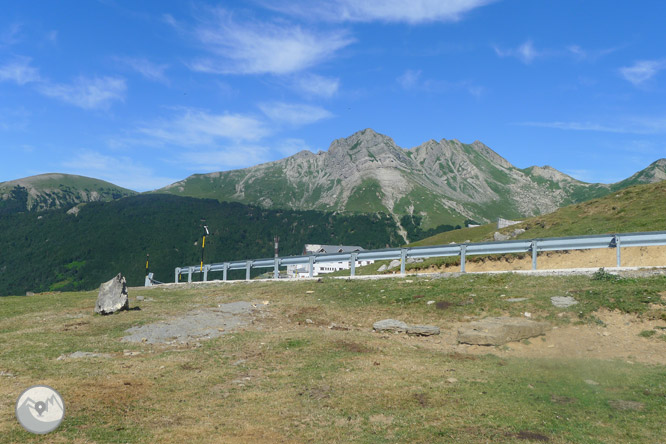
(196, 325)
(516, 299)
(500, 330)
(563, 301)
(112, 296)
(80, 354)
(390, 325)
(422, 330)
(382, 268)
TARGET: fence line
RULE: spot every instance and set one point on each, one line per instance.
(645, 239)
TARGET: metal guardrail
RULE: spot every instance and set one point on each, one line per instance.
(534, 246)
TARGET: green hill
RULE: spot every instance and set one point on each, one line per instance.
(53, 191)
(55, 250)
(636, 208)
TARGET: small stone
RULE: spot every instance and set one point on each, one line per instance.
(528, 314)
(139, 298)
(516, 299)
(430, 302)
(309, 292)
(563, 301)
(500, 330)
(382, 268)
(309, 321)
(451, 380)
(29, 293)
(422, 330)
(394, 264)
(591, 382)
(390, 325)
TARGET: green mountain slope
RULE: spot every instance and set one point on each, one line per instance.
(52, 191)
(636, 208)
(436, 183)
(54, 250)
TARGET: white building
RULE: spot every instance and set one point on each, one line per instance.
(303, 271)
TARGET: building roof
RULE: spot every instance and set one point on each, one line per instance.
(314, 248)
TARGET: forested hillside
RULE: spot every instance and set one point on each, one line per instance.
(58, 251)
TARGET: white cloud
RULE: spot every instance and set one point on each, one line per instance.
(294, 113)
(627, 125)
(122, 171)
(87, 93)
(315, 85)
(151, 71)
(642, 71)
(526, 52)
(19, 71)
(388, 11)
(260, 48)
(410, 79)
(194, 127)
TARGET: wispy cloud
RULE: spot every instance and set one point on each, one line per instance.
(642, 71)
(192, 127)
(13, 119)
(628, 125)
(122, 170)
(388, 11)
(86, 92)
(225, 157)
(317, 86)
(412, 80)
(19, 71)
(10, 35)
(581, 53)
(293, 113)
(526, 52)
(149, 70)
(260, 48)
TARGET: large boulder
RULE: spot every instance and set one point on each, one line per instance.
(112, 296)
(500, 330)
(422, 330)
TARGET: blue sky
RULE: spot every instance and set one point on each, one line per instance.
(146, 93)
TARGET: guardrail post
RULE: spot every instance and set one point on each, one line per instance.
(189, 275)
(311, 263)
(352, 263)
(177, 274)
(616, 238)
(403, 259)
(224, 272)
(463, 254)
(276, 268)
(205, 272)
(248, 266)
(534, 249)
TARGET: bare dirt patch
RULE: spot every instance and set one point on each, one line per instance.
(557, 260)
(617, 338)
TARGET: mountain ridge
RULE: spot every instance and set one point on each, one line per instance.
(440, 182)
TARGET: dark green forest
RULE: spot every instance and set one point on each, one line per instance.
(55, 251)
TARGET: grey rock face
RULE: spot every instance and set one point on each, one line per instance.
(112, 296)
(382, 268)
(500, 330)
(390, 325)
(422, 330)
(394, 263)
(563, 301)
(500, 237)
(516, 299)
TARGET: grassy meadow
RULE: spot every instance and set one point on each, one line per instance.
(310, 368)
